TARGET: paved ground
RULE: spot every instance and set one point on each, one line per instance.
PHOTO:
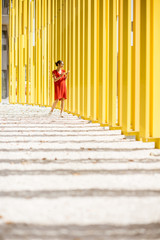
(68, 179)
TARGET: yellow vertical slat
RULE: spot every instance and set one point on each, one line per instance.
(87, 57)
(40, 53)
(136, 65)
(120, 60)
(17, 50)
(126, 80)
(36, 50)
(28, 54)
(94, 59)
(45, 43)
(55, 30)
(113, 64)
(49, 92)
(53, 43)
(77, 57)
(145, 69)
(23, 49)
(72, 79)
(59, 29)
(82, 33)
(69, 87)
(103, 61)
(44, 54)
(65, 42)
(155, 79)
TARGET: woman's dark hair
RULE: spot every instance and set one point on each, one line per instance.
(58, 62)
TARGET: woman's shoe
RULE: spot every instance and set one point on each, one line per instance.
(50, 112)
(61, 115)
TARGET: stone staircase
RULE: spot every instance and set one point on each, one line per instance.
(69, 179)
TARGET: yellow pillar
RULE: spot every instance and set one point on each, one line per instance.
(72, 78)
(120, 60)
(145, 69)
(65, 43)
(94, 59)
(69, 86)
(28, 55)
(59, 30)
(155, 70)
(126, 78)
(82, 33)
(39, 52)
(87, 59)
(53, 43)
(136, 65)
(113, 64)
(103, 61)
(49, 54)
(36, 46)
(150, 72)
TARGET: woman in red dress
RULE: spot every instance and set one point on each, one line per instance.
(60, 89)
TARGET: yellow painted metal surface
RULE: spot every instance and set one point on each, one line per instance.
(112, 62)
(115, 87)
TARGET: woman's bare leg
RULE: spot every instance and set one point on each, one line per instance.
(62, 105)
(54, 105)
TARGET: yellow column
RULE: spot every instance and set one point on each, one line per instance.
(39, 52)
(136, 65)
(28, 55)
(44, 46)
(126, 79)
(69, 86)
(113, 64)
(150, 72)
(103, 61)
(155, 71)
(21, 65)
(17, 50)
(120, 60)
(77, 57)
(94, 59)
(145, 69)
(72, 79)
(59, 30)
(24, 49)
(53, 43)
(44, 57)
(87, 59)
(36, 46)
(82, 33)
(65, 42)
(49, 54)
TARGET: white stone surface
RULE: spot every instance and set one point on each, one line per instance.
(69, 179)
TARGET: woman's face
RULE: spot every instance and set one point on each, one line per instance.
(61, 65)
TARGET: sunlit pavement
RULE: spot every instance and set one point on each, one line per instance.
(66, 178)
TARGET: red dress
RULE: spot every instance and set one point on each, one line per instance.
(60, 86)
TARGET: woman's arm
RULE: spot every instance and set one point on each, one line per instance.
(56, 79)
(66, 75)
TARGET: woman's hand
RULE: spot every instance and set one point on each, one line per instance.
(62, 74)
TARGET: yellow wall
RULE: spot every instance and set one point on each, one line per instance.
(83, 33)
